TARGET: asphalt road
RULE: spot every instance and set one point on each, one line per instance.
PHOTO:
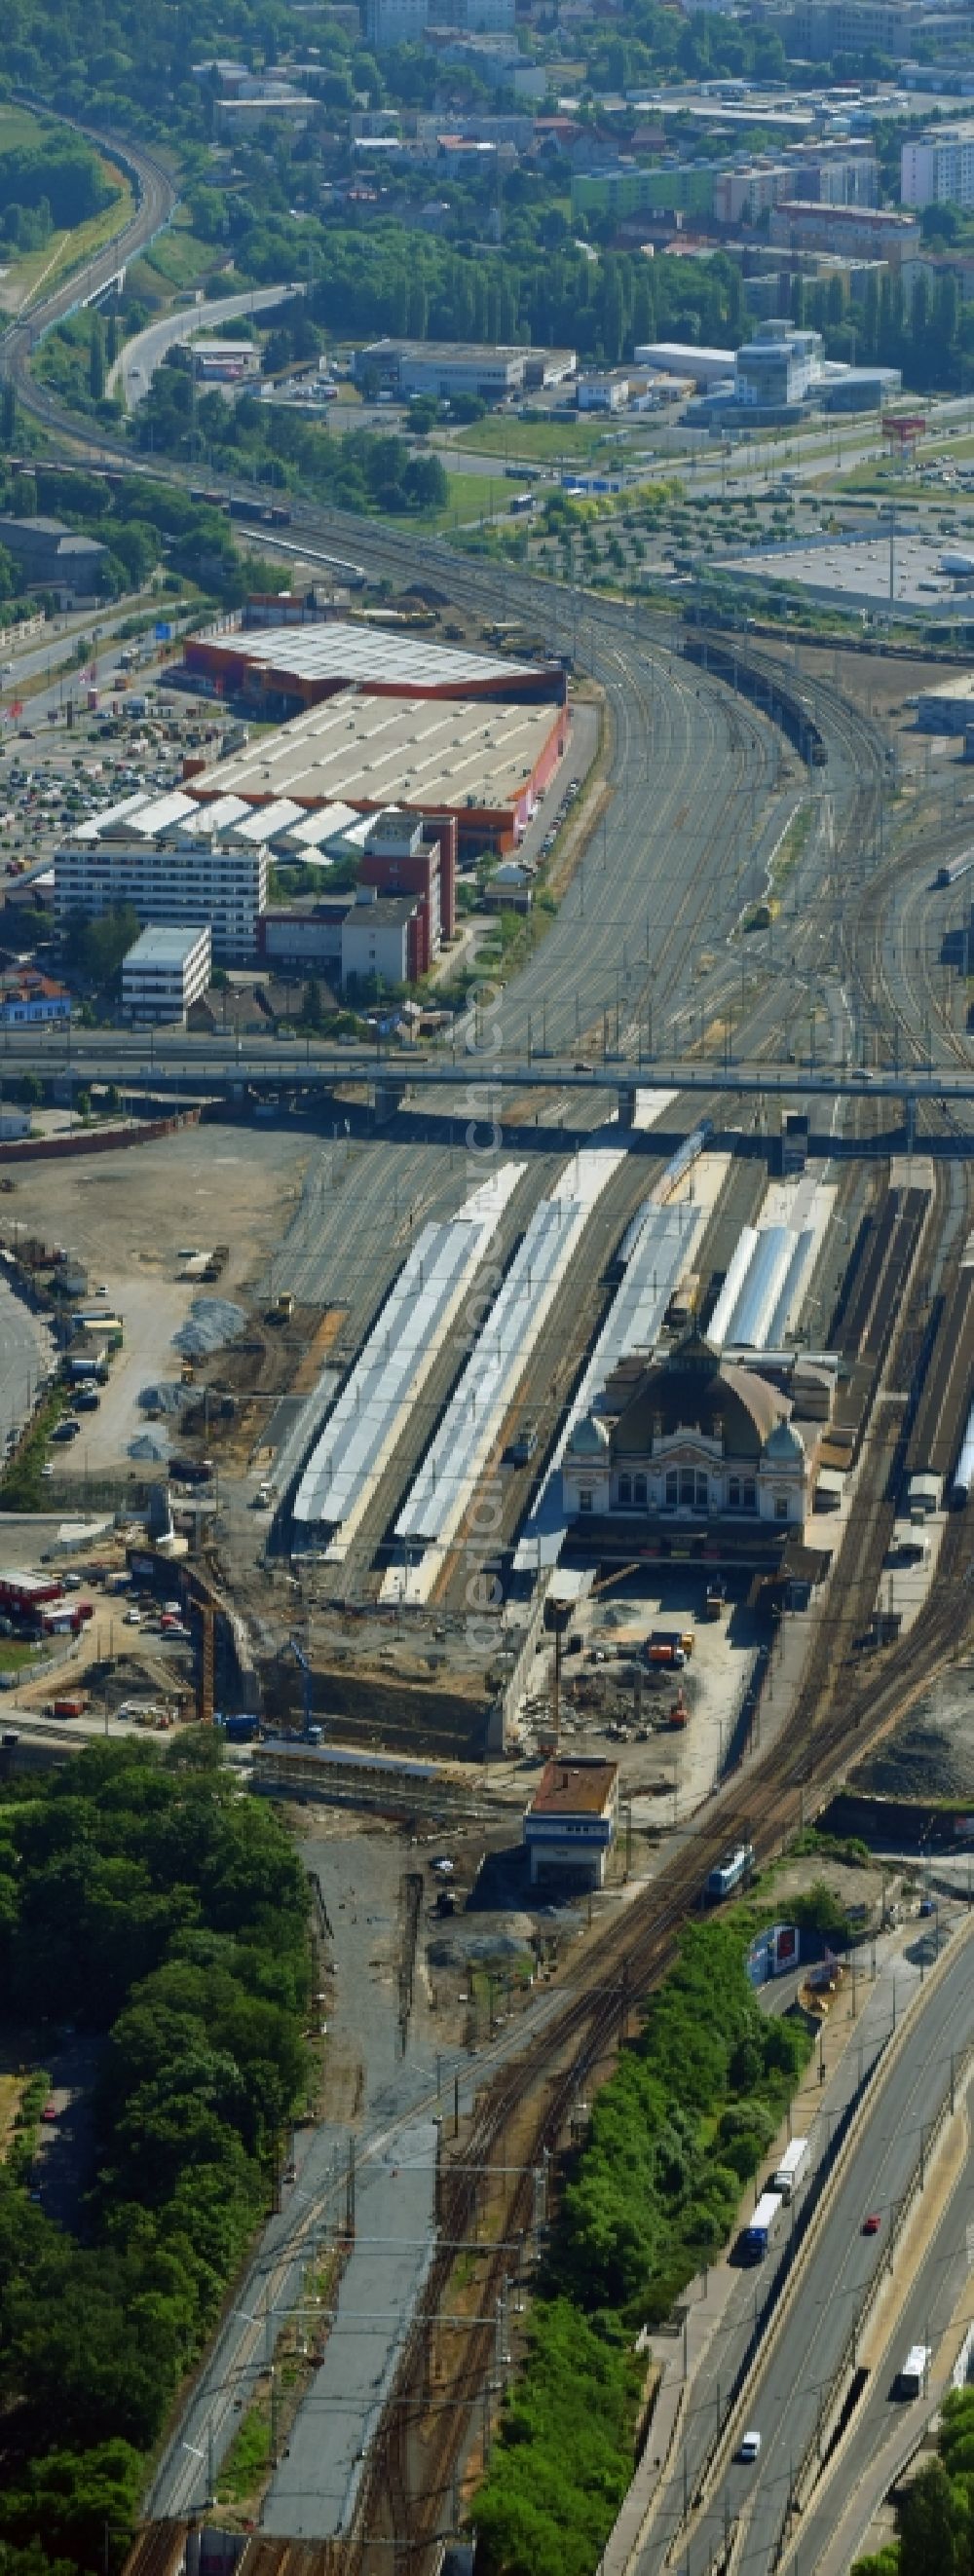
(26, 1355)
(887, 2429)
(784, 2406)
(134, 369)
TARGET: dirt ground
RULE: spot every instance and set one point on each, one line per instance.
(932, 1754)
(127, 1216)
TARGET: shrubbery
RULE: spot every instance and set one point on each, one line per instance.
(688, 2115)
(935, 2519)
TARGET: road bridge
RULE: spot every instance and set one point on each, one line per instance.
(218, 1065)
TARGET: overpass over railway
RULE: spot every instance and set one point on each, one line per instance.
(476, 1080)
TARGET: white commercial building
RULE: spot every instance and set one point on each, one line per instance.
(446, 367)
(705, 367)
(166, 971)
(938, 169)
(442, 367)
(603, 392)
(172, 874)
(224, 358)
(779, 366)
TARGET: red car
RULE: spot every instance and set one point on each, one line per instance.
(871, 2225)
(49, 2111)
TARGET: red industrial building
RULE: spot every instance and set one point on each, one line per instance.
(286, 668)
(483, 767)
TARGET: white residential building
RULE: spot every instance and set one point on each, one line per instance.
(166, 971)
(171, 876)
(937, 169)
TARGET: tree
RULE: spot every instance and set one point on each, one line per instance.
(929, 2525)
(96, 948)
(96, 362)
(312, 1012)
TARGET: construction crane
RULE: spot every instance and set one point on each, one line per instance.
(309, 1731)
(562, 1611)
(205, 1689)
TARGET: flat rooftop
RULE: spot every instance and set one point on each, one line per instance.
(573, 1788)
(854, 572)
(164, 946)
(425, 752)
(959, 684)
(372, 657)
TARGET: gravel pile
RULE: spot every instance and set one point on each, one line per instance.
(210, 1324)
(166, 1398)
(931, 1756)
(149, 1446)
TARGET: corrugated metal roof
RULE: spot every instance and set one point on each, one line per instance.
(340, 650)
(162, 812)
(391, 751)
(117, 813)
(316, 830)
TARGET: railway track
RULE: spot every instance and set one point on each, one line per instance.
(405, 2501)
(843, 1703)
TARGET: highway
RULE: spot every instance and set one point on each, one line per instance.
(884, 2434)
(793, 2382)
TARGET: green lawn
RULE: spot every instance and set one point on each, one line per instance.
(471, 497)
(14, 1655)
(181, 258)
(539, 442)
(17, 128)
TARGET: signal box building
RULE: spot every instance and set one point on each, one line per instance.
(570, 1823)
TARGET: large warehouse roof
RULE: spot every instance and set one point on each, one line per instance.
(384, 751)
(369, 656)
(855, 571)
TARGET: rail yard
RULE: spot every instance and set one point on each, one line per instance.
(616, 1413)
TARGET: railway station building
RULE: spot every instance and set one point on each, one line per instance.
(692, 1455)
